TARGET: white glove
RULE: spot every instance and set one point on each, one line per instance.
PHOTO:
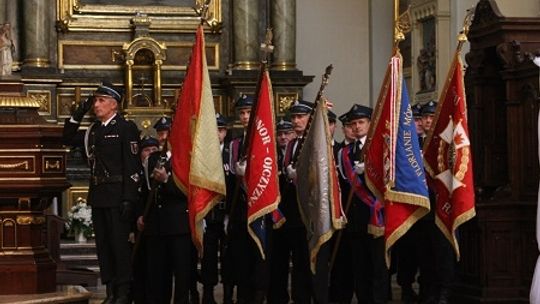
(359, 167)
(226, 223)
(240, 168)
(204, 225)
(291, 172)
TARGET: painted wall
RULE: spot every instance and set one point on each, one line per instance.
(335, 32)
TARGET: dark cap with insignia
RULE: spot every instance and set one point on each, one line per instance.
(332, 116)
(221, 121)
(358, 111)
(301, 107)
(164, 123)
(244, 101)
(417, 110)
(148, 141)
(107, 89)
(429, 108)
(343, 118)
(284, 126)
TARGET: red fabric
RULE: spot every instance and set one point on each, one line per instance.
(182, 137)
(261, 178)
(448, 157)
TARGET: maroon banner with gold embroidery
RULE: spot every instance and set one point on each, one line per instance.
(448, 158)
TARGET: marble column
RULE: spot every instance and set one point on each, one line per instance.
(3, 11)
(36, 33)
(246, 34)
(283, 17)
(13, 11)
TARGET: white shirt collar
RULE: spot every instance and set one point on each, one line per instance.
(105, 123)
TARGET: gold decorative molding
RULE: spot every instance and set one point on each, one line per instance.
(83, 16)
(43, 97)
(108, 55)
(16, 164)
(24, 220)
(285, 101)
(18, 102)
(52, 164)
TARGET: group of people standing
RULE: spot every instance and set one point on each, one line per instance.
(132, 191)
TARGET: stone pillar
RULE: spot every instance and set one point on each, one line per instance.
(246, 34)
(12, 13)
(36, 33)
(283, 17)
(3, 11)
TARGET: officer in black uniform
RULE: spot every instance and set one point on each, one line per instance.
(406, 248)
(361, 268)
(163, 128)
(112, 148)
(289, 241)
(147, 146)
(214, 235)
(167, 235)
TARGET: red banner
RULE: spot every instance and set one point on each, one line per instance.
(196, 158)
(261, 178)
(393, 163)
(448, 158)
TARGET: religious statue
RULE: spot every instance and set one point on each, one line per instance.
(7, 48)
(426, 69)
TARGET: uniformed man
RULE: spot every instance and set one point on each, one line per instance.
(289, 241)
(147, 146)
(428, 114)
(417, 114)
(163, 128)
(167, 235)
(247, 262)
(406, 248)
(366, 269)
(214, 235)
(112, 148)
(285, 134)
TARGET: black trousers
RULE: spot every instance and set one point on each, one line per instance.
(214, 237)
(113, 248)
(360, 269)
(437, 260)
(321, 276)
(168, 257)
(407, 252)
(290, 243)
(244, 264)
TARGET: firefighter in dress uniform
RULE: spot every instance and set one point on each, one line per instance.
(214, 235)
(111, 145)
(360, 267)
(167, 234)
(289, 241)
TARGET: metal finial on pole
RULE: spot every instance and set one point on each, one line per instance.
(462, 37)
(266, 46)
(202, 10)
(402, 23)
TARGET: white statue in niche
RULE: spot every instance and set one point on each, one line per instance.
(7, 48)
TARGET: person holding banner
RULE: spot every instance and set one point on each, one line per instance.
(289, 241)
(363, 271)
(214, 236)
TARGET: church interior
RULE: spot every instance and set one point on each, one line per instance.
(55, 53)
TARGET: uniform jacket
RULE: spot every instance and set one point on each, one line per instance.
(168, 214)
(112, 152)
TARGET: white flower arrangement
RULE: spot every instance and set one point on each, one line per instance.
(79, 219)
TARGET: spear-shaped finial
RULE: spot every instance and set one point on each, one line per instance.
(462, 37)
(266, 47)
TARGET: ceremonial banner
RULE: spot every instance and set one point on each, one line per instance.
(393, 163)
(196, 158)
(261, 178)
(448, 158)
(318, 192)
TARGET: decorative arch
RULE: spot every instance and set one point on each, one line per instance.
(130, 51)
